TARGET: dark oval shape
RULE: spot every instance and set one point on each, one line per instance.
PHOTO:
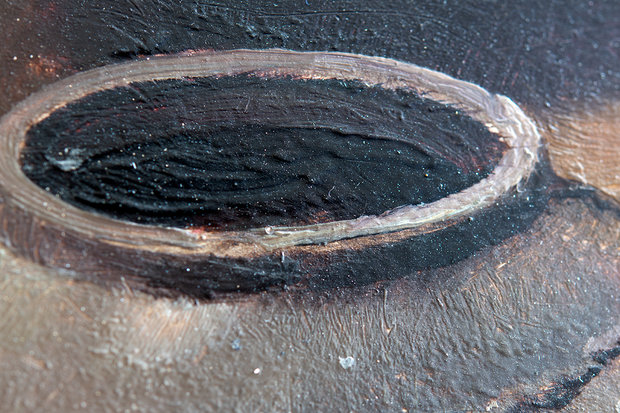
(239, 152)
(420, 113)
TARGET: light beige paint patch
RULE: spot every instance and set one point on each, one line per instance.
(584, 145)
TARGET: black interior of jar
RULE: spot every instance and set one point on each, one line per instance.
(245, 151)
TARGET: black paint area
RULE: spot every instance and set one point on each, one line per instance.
(537, 53)
(241, 152)
(322, 272)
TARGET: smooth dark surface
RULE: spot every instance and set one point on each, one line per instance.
(242, 152)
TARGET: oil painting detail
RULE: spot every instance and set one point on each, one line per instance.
(66, 135)
(309, 205)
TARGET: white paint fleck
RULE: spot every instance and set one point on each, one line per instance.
(71, 162)
(347, 362)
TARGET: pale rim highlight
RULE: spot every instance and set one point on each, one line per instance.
(498, 113)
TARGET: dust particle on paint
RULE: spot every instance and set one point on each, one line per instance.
(347, 362)
(236, 344)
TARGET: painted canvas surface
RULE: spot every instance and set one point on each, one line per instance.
(309, 206)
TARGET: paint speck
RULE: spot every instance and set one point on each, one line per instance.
(346, 362)
(236, 344)
(491, 405)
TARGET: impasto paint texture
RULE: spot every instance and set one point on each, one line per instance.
(403, 206)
